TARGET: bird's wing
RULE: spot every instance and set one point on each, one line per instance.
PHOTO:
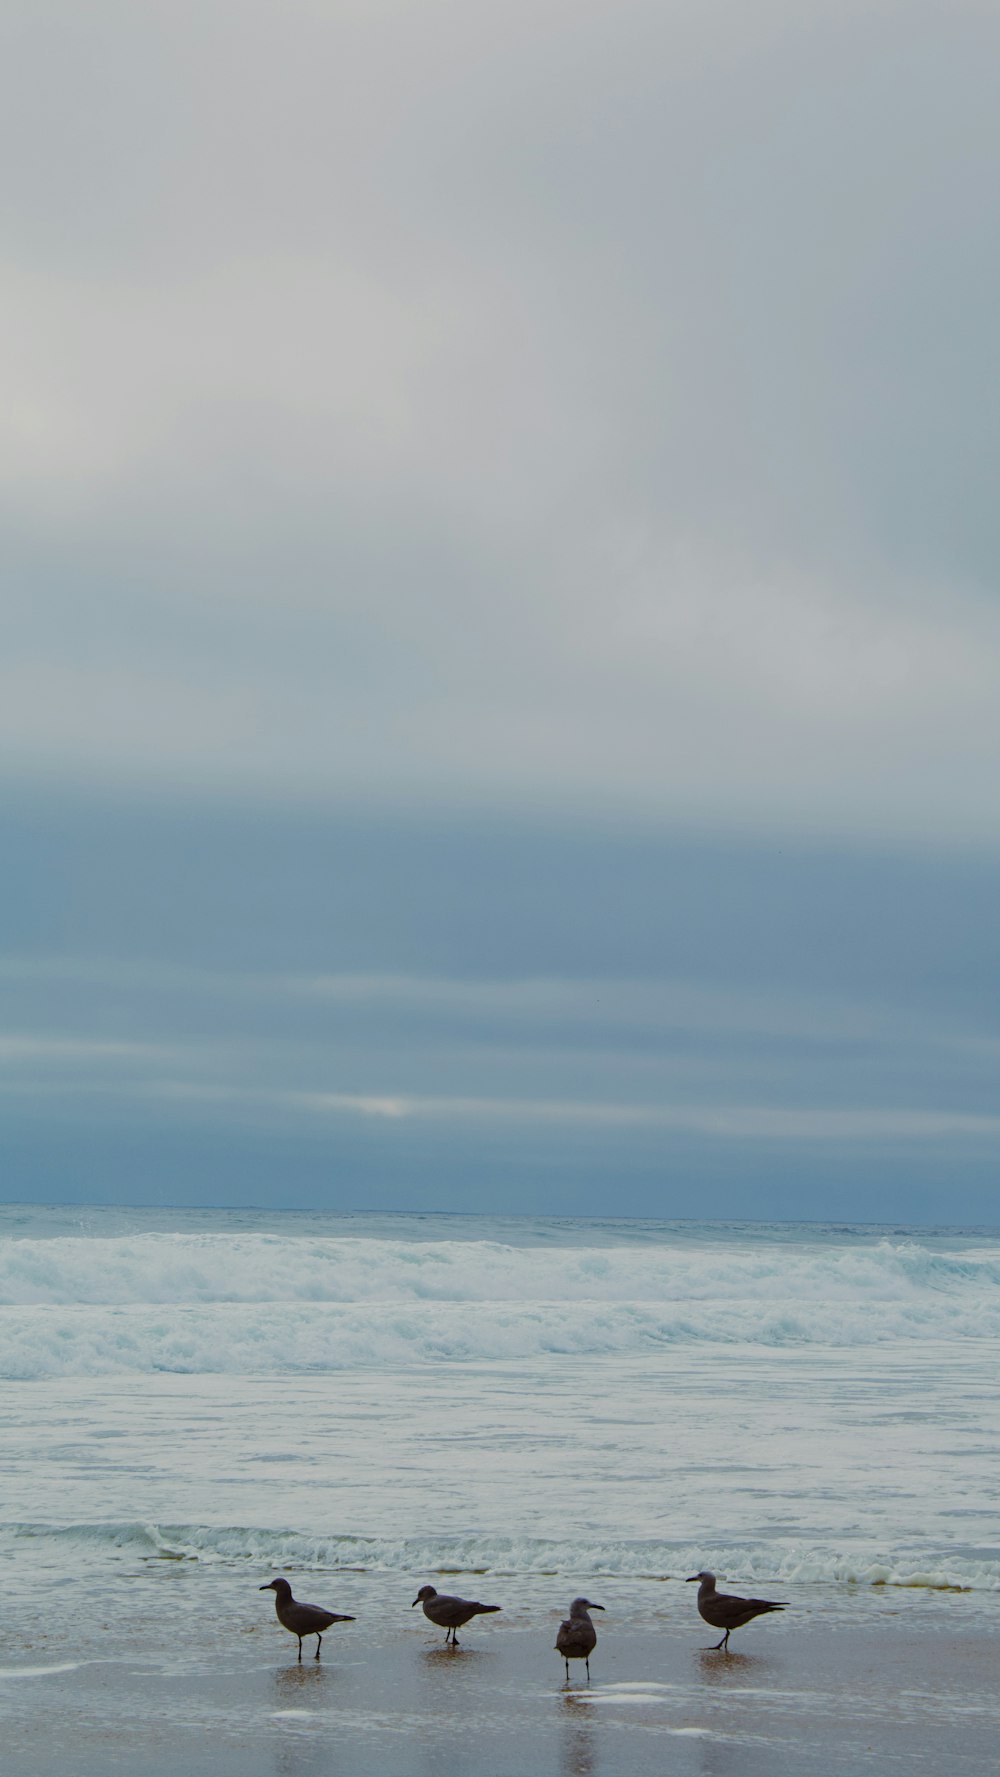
(306, 1619)
(445, 1610)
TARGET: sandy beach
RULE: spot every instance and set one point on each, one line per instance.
(873, 1681)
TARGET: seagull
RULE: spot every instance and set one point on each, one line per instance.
(577, 1637)
(724, 1611)
(301, 1619)
(449, 1613)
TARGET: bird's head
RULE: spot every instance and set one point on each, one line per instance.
(704, 1575)
(424, 1593)
(580, 1604)
(282, 1588)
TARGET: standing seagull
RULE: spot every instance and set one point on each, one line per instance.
(449, 1613)
(577, 1637)
(301, 1619)
(724, 1611)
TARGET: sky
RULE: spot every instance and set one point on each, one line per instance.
(501, 646)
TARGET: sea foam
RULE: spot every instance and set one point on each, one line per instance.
(250, 1303)
(744, 1564)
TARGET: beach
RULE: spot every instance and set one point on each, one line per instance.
(195, 1403)
(202, 1679)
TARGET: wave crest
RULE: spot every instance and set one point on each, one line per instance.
(260, 1303)
(508, 1556)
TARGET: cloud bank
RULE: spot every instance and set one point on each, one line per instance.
(557, 407)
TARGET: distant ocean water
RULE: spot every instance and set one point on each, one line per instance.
(401, 1396)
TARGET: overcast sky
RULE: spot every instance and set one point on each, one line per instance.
(501, 648)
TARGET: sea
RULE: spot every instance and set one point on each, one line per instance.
(520, 1410)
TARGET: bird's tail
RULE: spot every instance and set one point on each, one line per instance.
(483, 1609)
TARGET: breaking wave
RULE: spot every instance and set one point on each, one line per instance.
(504, 1556)
(262, 1303)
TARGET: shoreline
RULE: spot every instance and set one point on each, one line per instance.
(888, 1682)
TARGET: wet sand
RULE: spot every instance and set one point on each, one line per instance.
(870, 1683)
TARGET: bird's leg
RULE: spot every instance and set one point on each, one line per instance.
(319, 1644)
(566, 1664)
(724, 1643)
(300, 1647)
(587, 1664)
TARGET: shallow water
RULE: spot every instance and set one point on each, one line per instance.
(198, 1400)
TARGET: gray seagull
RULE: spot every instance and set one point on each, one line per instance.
(449, 1613)
(721, 1610)
(301, 1619)
(577, 1637)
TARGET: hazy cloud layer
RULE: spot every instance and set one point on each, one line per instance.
(532, 406)
(233, 1005)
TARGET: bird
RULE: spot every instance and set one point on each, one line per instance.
(449, 1613)
(577, 1637)
(301, 1619)
(721, 1610)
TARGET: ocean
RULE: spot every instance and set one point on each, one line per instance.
(195, 1401)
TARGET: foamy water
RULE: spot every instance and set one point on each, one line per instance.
(268, 1302)
(542, 1400)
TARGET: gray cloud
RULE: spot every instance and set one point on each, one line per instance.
(540, 406)
(643, 1055)
(232, 1004)
(501, 648)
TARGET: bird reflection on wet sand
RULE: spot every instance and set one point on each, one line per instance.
(719, 1672)
(301, 1685)
(578, 1749)
(451, 1653)
(302, 1696)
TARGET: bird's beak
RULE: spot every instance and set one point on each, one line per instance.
(415, 1601)
(595, 1607)
(268, 1588)
(691, 1578)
